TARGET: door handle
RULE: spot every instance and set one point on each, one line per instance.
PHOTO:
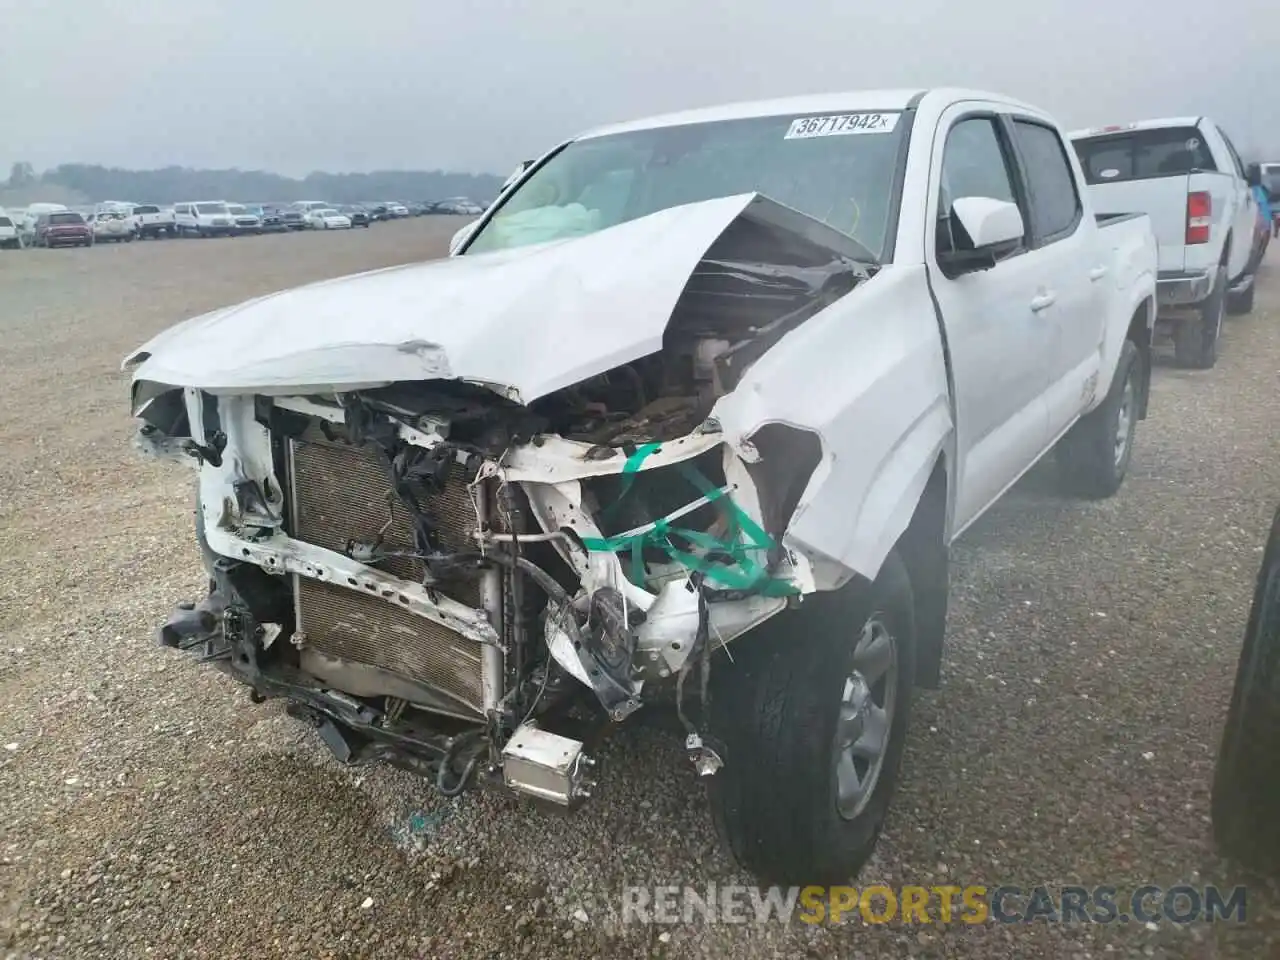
(1097, 273)
(1043, 302)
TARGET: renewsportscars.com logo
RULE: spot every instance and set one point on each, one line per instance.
(910, 904)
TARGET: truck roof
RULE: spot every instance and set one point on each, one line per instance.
(848, 101)
(1156, 124)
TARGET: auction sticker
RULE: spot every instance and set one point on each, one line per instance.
(841, 125)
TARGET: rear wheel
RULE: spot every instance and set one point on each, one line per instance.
(1242, 302)
(1246, 782)
(1093, 457)
(1195, 341)
(812, 718)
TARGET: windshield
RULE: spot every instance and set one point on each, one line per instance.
(1144, 155)
(211, 208)
(236, 208)
(5, 222)
(146, 209)
(65, 218)
(327, 213)
(837, 169)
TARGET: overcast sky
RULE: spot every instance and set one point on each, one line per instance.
(477, 85)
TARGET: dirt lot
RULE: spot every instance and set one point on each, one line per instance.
(148, 809)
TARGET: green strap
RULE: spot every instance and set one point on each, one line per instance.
(744, 572)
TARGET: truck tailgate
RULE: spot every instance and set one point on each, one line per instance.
(1163, 199)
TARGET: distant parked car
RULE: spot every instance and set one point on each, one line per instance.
(113, 225)
(204, 218)
(64, 228)
(245, 220)
(377, 211)
(10, 236)
(358, 214)
(459, 206)
(397, 210)
(1271, 180)
(328, 218)
(291, 218)
(28, 219)
(150, 220)
(269, 216)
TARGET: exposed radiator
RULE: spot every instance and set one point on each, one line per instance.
(339, 493)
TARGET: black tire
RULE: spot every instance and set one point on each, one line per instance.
(1195, 341)
(774, 714)
(1241, 303)
(1093, 458)
(1246, 780)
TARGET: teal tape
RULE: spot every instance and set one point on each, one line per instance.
(742, 545)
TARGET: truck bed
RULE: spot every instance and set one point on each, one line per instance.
(1110, 219)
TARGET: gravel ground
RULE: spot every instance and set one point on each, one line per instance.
(148, 809)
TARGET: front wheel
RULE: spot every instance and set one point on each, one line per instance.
(1093, 457)
(1246, 781)
(812, 718)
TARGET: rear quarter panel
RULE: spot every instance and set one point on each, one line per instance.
(1133, 260)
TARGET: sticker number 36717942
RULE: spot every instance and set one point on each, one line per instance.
(841, 125)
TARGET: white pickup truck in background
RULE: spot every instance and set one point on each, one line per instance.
(657, 403)
(152, 220)
(1187, 176)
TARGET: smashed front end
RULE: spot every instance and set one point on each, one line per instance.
(442, 576)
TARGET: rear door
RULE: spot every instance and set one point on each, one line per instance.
(1148, 171)
(1245, 220)
(1075, 264)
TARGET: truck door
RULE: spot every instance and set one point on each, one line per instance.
(998, 339)
(1077, 269)
(1245, 223)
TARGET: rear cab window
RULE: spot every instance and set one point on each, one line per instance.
(1144, 155)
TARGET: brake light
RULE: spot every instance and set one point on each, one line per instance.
(1199, 216)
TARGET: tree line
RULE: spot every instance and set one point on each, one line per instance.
(174, 184)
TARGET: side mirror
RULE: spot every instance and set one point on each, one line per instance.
(1253, 174)
(977, 232)
(460, 237)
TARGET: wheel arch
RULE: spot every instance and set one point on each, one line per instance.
(1140, 332)
(925, 552)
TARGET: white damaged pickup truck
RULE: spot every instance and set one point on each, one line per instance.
(691, 414)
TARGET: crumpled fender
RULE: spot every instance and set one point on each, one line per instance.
(868, 375)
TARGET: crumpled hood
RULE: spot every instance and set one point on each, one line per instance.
(526, 322)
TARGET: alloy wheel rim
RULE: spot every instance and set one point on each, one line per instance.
(867, 703)
(1124, 420)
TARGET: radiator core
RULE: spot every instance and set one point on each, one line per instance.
(342, 492)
